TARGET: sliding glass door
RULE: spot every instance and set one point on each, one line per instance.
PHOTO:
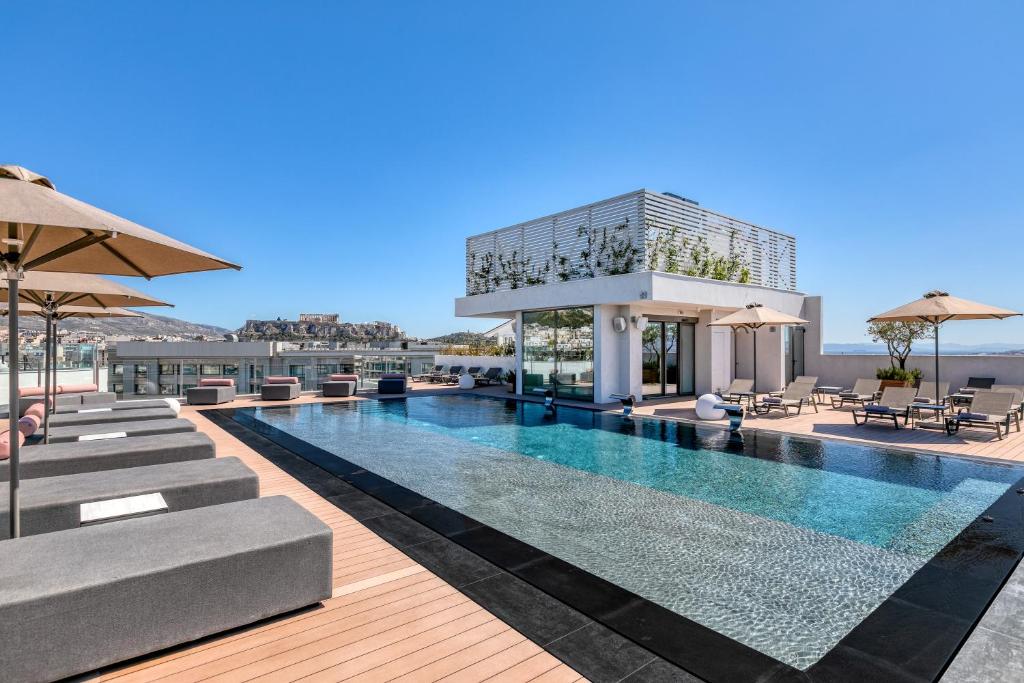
(668, 358)
(558, 352)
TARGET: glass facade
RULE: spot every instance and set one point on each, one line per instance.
(558, 352)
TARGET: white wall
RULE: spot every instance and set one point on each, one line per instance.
(844, 370)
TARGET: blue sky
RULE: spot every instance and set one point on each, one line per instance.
(342, 151)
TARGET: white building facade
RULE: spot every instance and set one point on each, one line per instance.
(615, 298)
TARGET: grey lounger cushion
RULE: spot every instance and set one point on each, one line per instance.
(95, 397)
(72, 419)
(75, 457)
(136, 428)
(51, 504)
(116, 405)
(76, 600)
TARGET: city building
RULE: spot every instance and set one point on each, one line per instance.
(615, 297)
(170, 368)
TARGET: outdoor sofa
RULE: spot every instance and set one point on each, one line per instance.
(280, 388)
(64, 395)
(989, 410)
(211, 391)
(340, 385)
(391, 383)
(863, 391)
(76, 600)
(75, 457)
(895, 402)
(126, 429)
(103, 415)
(51, 504)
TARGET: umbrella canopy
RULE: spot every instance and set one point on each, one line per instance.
(937, 307)
(44, 230)
(50, 231)
(74, 311)
(65, 289)
(754, 317)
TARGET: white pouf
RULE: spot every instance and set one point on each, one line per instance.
(466, 382)
(706, 409)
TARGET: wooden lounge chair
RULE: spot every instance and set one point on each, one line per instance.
(739, 390)
(926, 393)
(864, 391)
(491, 376)
(989, 410)
(894, 403)
(795, 396)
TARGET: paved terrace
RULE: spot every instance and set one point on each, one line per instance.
(391, 618)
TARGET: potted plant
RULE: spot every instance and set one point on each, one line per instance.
(510, 377)
(898, 377)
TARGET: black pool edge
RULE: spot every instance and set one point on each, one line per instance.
(912, 636)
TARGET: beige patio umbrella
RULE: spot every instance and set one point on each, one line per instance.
(753, 318)
(51, 315)
(44, 230)
(937, 307)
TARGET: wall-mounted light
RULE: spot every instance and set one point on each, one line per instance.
(619, 324)
(640, 322)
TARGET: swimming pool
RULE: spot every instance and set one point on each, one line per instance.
(784, 545)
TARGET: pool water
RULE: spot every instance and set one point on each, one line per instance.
(783, 544)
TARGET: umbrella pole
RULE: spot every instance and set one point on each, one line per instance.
(937, 364)
(12, 356)
(46, 384)
(755, 363)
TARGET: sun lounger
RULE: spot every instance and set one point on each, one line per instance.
(801, 379)
(894, 403)
(121, 405)
(75, 457)
(104, 415)
(864, 391)
(136, 428)
(452, 377)
(474, 370)
(1017, 390)
(492, 376)
(977, 383)
(280, 389)
(51, 504)
(429, 374)
(796, 396)
(739, 390)
(989, 410)
(76, 600)
(211, 391)
(926, 392)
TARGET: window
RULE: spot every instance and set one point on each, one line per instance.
(208, 369)
(140, 388)
(188, 369)
(117, 389)
(297, 371)
(558, 352)
(168, 368)
(230, 369)
(168, 389)
(141, 370)
(324, 369)
(117, 369)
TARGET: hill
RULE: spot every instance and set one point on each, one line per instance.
(148, 325)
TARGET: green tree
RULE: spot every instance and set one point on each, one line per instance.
(899, 338)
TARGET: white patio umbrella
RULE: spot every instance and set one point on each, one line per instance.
(44, 230)
(937, 307)
(753, 318)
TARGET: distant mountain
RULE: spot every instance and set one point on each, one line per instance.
(926, 347)
(467, 338)
(148, 325)
(298, 330)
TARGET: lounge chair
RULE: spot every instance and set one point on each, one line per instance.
(57, 459)
(340, 385)
(801, 379)
(452, 377)
(280, 389)
(429, 375)
(474, 370)
(894, 403)
(391, 383)
(438, 374)
(926, 393)
(989, 410)
(1017, 390)
(211, 391)
(739, 390)
(64, 395)
(493, 375)
(122, 405)
(977, 383)
(864, 391)
(120, 429)
(77, 600)
(104, 415)
(795, 396)
(51, 504)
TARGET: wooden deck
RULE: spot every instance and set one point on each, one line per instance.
(388, 619)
